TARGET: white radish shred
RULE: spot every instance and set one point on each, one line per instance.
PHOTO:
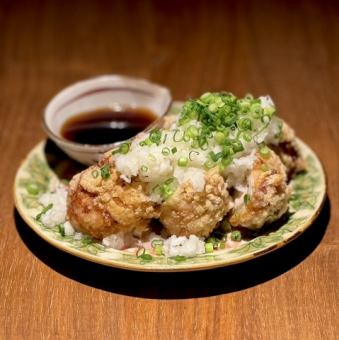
(183, 246)
(57, 214)
(68, 228)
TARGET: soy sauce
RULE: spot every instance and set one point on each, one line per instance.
(105, 125)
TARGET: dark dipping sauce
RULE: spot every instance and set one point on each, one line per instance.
(105, 126)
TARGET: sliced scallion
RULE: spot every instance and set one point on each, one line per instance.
(209, 248)
(236, 236)
(182, 161)
(264, 151)
(157, 242)
(43, 212)
(95, 173)
(61, 229)
(104, 171)
(32, 189)
(190, 156)
(166, 151)
(146, 257)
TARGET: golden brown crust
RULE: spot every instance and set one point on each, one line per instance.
(101, 207)
(289, 152)
(189, 212)
(268, 194)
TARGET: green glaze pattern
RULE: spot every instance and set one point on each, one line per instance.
(35, 177)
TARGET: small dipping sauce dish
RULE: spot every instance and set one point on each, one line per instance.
(93, 116)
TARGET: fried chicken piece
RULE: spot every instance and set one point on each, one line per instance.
(188, 212)
(268, 194)
(101, 207)
(288, 151)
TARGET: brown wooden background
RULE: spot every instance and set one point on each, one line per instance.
(288, 49)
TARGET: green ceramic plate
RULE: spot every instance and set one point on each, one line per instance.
(306, 201)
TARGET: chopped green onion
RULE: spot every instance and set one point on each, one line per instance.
(191, 153)
(222, 245)
(144, 168)
(166, 191)
(175, 139)
(86, 240)
(166, 151)
(205, 96)
(209, 248)
(174, 150)
(140, 252)
(157, 242)
(61, 229)
(32, 189)
(192, 132)
(219, 137)
(269, 111)
(95, 173)
(211, 240)
(209, 164)
(124, 148)
(264, 151)
(213, 107)
(227, 160)
(236, 235)
(265, 119)
(244, 106)
(105, 173)
(155, 136)
(256, 110)
(246, 136)
(178, 258)
(182, 161)
(247, 198)
(215, 156)
(237, 146)
(186, 137)
(169, 181)
(148, 142)
(146, 257)
(244, 124)
(158, 250)
(44, 210)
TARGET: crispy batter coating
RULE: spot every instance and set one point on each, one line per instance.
(288, 151)
(268, 194)
(101, 207)
(189, 212)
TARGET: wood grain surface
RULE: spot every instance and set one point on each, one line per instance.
(288, 49)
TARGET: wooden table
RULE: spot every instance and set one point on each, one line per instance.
(289, 50)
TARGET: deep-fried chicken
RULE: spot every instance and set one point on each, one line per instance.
(101, 207)
(188, 212)
(268, 194)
